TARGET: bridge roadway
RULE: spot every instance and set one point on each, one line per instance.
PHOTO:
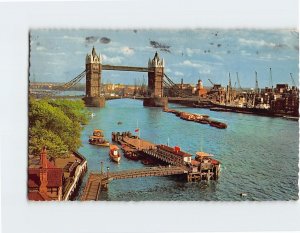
(127, 68)
(98, 182)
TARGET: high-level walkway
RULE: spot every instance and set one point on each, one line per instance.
(98, 182)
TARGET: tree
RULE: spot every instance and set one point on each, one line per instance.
(56, 124)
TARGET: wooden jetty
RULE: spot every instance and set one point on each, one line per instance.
(98, 182)
(177, 162)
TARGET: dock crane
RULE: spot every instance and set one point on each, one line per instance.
(211, 82)
(239, 84)
(293, 81)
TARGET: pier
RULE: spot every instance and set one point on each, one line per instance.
(169, 162)
(98, 182)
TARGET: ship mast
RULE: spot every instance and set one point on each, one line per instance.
(271, 79)
(256, 84)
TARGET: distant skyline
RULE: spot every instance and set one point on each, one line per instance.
(59, 55)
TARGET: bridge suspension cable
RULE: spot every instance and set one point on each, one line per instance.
(65, 86)
(73, 82)
(172, 86)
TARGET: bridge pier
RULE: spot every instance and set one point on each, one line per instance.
(97, 101)
(156, 102)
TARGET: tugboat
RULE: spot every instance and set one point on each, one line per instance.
(114, 153)
(98, 138)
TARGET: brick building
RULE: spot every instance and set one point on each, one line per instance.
(45, 183)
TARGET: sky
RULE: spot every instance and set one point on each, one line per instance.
(59, 55)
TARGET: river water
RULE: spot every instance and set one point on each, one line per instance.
(259, 155)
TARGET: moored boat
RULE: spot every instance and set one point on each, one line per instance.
(98, 133)
(218, 124)
(98, 141)
(130, 153)
(203, 121)
(114, 153)
(98, 138)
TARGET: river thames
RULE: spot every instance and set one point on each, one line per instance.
(259, 155)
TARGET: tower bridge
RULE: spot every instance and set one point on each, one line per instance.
(94, 68)
(158, 81)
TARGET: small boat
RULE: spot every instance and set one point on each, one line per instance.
(98, 133)
(129, 153)
(119, 123)
(98, 141)
(98, 138)
(114, 153)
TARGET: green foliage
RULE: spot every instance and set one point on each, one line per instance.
(75, 110)
(56, 124)
(39, 137)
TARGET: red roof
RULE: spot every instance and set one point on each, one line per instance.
(37, 196)
(195, 162)
(54, 177)
(172, 150)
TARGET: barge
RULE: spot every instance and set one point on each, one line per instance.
(199, 118)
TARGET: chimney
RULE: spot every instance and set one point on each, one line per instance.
(43, 171)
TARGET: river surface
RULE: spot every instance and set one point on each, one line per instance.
(259, 155)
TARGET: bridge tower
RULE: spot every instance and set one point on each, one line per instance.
(155, 83)
(93, 67)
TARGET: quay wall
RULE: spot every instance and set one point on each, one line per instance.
(79, 172)
(185, 102)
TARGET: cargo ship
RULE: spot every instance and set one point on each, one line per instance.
(114, 153)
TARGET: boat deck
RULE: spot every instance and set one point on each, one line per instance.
(138, 143)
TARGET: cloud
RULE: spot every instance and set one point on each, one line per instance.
(76, 39)
(79, 52)
(105, 40)
(190, 64)
(112, 60)
(205, 71)
(270, 57)
(245, 53)
(177, 73)
(259, 43)
(127, 51)
(55, 54)
(190, 52)
(41, 48)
